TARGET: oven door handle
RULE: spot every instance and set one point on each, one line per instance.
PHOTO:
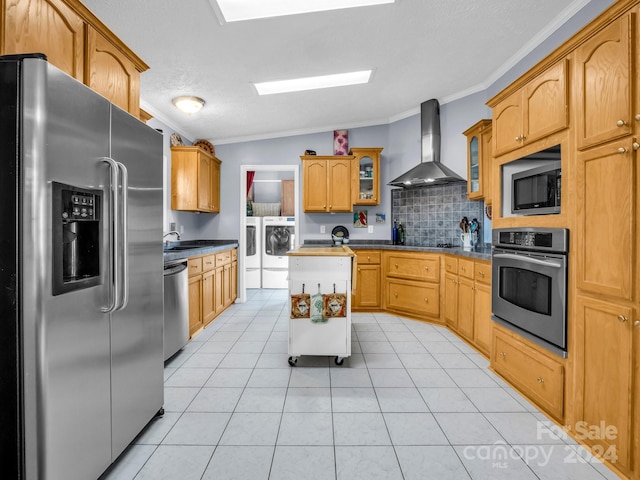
(522, 258)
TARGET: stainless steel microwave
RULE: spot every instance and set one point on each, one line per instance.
(537, 191)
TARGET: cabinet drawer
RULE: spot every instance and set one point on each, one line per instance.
(538, 376)
(482, 272)
(367, 257)
(465, 268)
(223, 258)
(208, 263)
(451, 264)
(414, 297)
(425, 268)
(195, 266)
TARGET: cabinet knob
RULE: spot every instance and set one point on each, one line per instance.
(622, 318)
(621, 123)
(426, 300)
(635, 146)
(330, 206)
(426, 268)
(622, 150)
(540, 380)
(518, 138)
(481, 273)
(636, 324)
(637, 117)
(502, 354)
(396, 265)
(368, 257)
(395, 294)
(359, 270)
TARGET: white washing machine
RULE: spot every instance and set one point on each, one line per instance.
(253, 256)
(279, 238)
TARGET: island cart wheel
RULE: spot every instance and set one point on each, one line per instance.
(339, 360)
(293, 361)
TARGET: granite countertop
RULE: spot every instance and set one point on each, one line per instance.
(479, 252)
(189, 248)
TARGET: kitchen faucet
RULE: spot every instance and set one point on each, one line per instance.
(177, 234)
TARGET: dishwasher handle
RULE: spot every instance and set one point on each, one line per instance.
(174, 269)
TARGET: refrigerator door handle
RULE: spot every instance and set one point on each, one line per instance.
(114, 233)
(124, 228)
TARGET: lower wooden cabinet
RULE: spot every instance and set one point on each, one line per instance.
(412, 284)
(529, 368)
(467, 300)
(368, 278)
(213, 286)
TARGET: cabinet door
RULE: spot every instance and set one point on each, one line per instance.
(208, 297)
(451, 300)
(195, 304)
(482, 323)
(111, 73)
(507, 124)
(465, 308)
(339, 185)
(605, 240)
(545, 103)
(604, 334)
(422, 299)
(368, 286)
(218, 290)
(47, 26)
(214, 188)
(604, 86)
(204, 183)
(314, 173)
(288, 198)
(234, 281)
(226, 285)
(486, 140)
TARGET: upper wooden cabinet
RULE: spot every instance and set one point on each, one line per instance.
(327, 183)
(75, 41)
(604, 84)
(111, 73)
(195, 180)
(366, 176)
(479, 161)
(538, 109)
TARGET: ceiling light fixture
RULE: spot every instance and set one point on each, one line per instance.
(188, 104)
(313, 83)
(238, 10)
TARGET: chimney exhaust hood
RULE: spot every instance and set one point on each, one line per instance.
(430, 171)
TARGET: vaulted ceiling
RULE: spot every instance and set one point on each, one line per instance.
(419, 49)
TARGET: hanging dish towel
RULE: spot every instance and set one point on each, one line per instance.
(300, 304)
(317, 302)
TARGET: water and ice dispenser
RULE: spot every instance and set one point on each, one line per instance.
(76, 237)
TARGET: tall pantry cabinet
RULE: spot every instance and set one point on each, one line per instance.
(605, 240)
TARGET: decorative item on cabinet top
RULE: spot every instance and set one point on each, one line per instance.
(206, 145)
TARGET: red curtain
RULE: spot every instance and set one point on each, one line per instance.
(250, 175)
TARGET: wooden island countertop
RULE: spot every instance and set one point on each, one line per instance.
(337, 251)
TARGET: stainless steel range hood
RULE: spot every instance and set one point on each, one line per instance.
(430, 171)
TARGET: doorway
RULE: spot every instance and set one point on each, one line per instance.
(271, 169)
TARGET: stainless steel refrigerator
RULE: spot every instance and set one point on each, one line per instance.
(81, 275)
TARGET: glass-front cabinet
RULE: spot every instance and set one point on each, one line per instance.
(479, 161)
(366, 176)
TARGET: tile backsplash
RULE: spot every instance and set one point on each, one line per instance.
(431, 215)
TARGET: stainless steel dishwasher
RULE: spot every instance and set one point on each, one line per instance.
(176, 307)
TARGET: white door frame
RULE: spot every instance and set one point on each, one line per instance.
(242, 291)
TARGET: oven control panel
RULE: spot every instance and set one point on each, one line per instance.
(543, 239)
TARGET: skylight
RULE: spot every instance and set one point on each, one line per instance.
(238, 10)
(312, 83)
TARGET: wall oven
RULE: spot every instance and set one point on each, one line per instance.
(529, 289)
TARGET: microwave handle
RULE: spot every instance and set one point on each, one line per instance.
(522, 258)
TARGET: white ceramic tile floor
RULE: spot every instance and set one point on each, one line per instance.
(412, 402)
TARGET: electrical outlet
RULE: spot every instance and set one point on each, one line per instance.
(172, 226)
(322, 229)
(181, 229)
(370, 229)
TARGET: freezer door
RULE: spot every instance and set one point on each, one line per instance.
(65, 338)
(137, 330)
